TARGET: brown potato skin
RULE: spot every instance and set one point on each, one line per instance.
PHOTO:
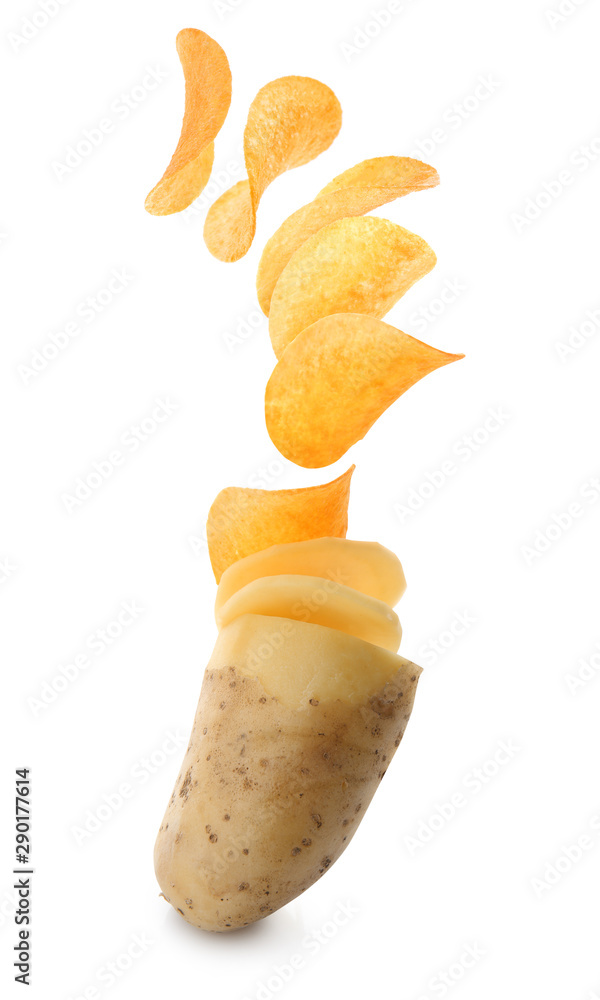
(268, 796)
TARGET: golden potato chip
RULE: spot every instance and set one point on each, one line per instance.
(356, 265)
(359, 190)
(385, 171)
(335, 379)
(207, 99)
(291, 120)
(242, 521)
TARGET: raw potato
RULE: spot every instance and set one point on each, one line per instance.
(366, 566)
(295, 728)
(357, 265)
(317, 600)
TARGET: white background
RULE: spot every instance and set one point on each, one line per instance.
(138, 537)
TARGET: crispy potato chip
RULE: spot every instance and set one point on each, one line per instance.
(291, 120)
(335, 379)
(359, 190)
(356, 265)
(242, 521)
(207, 99)
(385, 171)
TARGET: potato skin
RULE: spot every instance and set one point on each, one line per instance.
(268, 796)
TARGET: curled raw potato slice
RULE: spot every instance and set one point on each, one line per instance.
(356, 265)
(207, 99)
(295, 728)
(335, 379)
(242, 521)
(317, 600)
(290, 121)
(366, 566)
(359, 190)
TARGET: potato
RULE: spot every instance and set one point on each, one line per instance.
(295, 728)
(317, 600)
(242, 521)
(367, 566)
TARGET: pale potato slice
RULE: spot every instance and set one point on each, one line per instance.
(366, 566)
(296, 661)
(317, 600)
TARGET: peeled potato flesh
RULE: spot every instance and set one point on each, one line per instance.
(367, 566)
(317, 600)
